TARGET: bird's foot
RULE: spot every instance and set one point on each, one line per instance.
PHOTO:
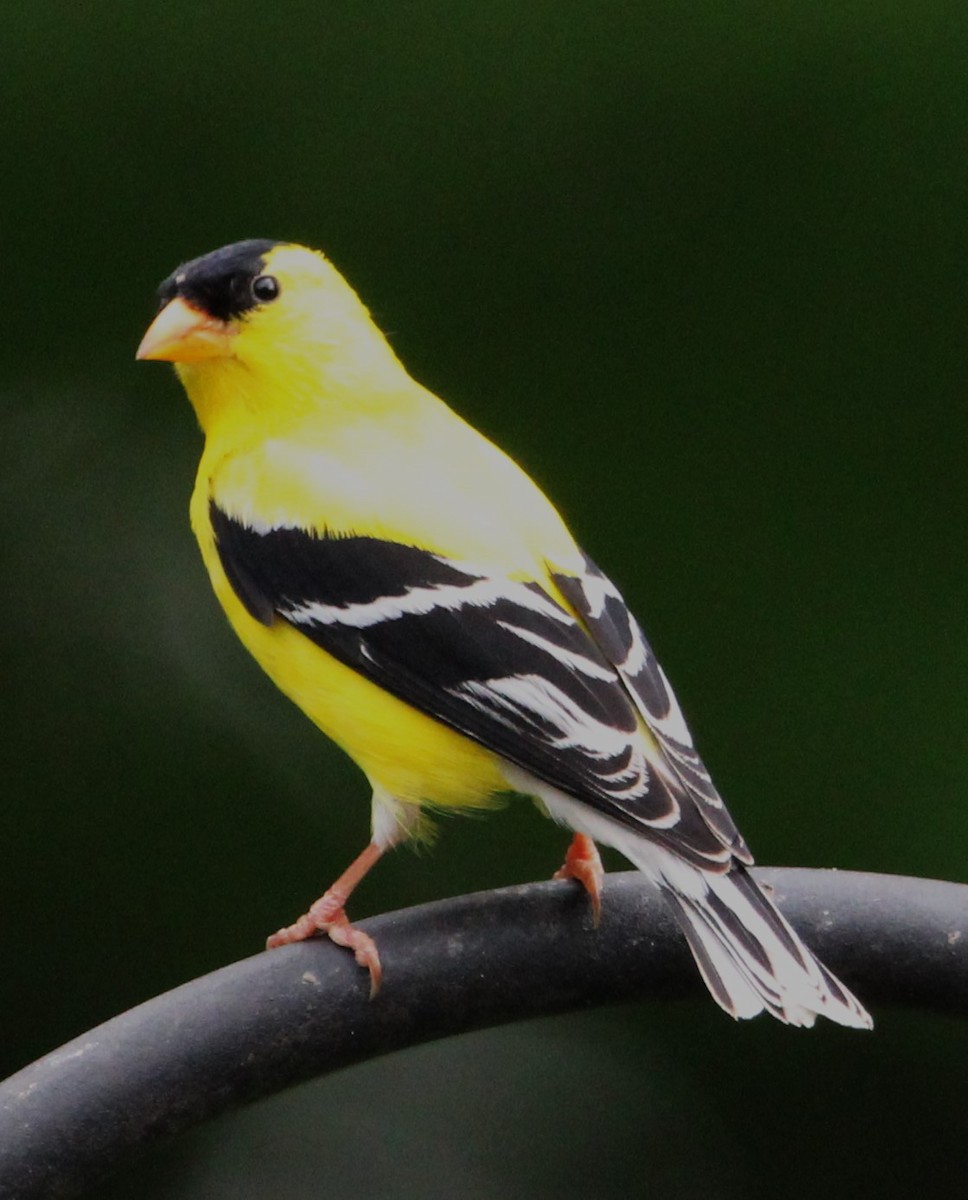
(583, 863)
(328, 916)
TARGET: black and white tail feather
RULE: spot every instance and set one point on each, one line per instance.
(572, 699)
(750, 957)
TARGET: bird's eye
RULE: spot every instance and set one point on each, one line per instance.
(265, 288)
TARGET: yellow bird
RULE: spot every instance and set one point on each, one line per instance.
(414, 592)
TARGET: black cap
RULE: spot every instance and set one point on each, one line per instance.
(220, 283)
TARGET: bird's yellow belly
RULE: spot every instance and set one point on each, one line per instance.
(409, 755)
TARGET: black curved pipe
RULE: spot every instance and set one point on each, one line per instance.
(260, 1025)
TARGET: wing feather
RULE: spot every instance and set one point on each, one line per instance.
(610, 623)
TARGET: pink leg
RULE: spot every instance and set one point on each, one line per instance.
(328, 915)
(582, 862)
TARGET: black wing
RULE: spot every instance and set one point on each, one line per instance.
(616, 632)
(500, 661)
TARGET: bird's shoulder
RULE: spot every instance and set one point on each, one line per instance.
(445, 488)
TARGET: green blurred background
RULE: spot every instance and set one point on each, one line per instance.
(702, 269)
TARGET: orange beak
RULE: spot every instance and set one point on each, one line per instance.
(181, 333)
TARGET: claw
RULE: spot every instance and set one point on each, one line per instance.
(583, 863)
(363, 947)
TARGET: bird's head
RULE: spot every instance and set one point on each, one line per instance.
(263, 319)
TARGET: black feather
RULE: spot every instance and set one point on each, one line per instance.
(220, 283)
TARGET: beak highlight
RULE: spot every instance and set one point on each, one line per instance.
(181, 333)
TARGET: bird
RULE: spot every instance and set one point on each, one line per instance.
(415, 593)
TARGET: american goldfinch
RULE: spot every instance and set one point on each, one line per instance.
(414, 592)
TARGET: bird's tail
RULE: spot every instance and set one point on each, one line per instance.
(749, 955)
